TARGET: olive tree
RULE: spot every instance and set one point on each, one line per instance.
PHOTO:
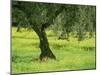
(39, 16)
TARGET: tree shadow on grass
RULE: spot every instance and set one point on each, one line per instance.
(89, 48)
(25, 59)
(21, 37)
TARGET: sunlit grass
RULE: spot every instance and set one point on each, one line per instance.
(71, 55)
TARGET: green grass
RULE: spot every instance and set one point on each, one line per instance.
(71, 55)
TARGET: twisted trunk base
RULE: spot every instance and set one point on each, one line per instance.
(45, 49)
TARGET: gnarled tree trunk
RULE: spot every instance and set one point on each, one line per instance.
(44, 46)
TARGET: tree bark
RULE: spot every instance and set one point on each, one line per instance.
(44, 46)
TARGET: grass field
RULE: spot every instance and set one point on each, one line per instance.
(71, 55)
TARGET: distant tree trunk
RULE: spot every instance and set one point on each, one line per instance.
(63, 36)
(68, 36)
(90, 34)
(18, 28)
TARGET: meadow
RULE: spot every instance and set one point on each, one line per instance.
(71, 55)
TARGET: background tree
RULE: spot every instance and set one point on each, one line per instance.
(86, 21)
(65, 21)
(78, 19)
